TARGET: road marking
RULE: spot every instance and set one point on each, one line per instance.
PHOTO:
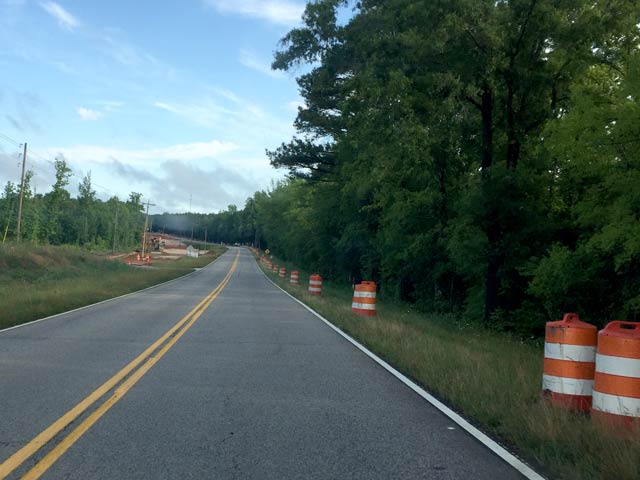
(491, 444)
(174, 333)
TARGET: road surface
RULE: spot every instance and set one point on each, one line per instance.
(248, 384)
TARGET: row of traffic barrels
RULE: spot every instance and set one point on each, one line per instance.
(594, 372)
(364, 294)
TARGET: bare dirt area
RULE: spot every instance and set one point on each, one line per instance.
(161, 249)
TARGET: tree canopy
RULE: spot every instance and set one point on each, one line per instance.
(469, 155)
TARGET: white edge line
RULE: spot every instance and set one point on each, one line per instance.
(108, 299)
(492, 445)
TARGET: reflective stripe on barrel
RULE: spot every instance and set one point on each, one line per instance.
(364, 299)
(295, 277)
(616, 391)
(569, 362)
(315, 284)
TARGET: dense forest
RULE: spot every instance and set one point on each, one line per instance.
(54, 218)
(469, 156)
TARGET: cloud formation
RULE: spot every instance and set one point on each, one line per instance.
(183, 151)
(23, 110)
(283, 12)
(173, 182)
(250, 60)
(87, 114)
(65, 19)
(234, 118)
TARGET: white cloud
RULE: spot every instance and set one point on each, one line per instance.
(183, 151)
(64, 18)
(111, 105)
(233, 118)
(284, 12)
(171, 183)
(87, 114)
(294, 105)
(123, 52)
(250, 60)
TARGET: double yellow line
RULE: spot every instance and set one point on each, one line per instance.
(131, 374)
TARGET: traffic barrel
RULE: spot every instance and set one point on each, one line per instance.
(315, 284)
(569, 362)
(275, 268)
(364, 299)
(295, 277)
(283, 272)
(616, 391)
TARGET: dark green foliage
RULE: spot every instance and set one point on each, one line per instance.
(470, 156)
(57, 219)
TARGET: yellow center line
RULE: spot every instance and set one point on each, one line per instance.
(50, 432)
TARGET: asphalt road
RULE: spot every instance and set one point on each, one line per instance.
(257, 387)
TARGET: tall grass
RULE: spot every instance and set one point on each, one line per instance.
(36, 282)
(491, 378)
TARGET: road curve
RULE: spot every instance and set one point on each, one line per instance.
(250, 385)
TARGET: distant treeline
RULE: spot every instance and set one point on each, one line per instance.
(54, 218)
(470, 156)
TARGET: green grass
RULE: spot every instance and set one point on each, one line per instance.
(190, 262)
(491, 378)
(36, 282)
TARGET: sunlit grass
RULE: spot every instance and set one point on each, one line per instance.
(491, 378)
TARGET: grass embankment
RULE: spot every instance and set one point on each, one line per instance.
(189, 263)
(491, 378)
(36, 282)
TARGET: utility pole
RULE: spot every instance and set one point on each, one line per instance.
(115, 230)
(144, 233)
(24, 163)
(205, 234)
(191, 215)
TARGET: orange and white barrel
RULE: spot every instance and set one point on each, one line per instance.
(569, 362)
(364, 299)
(283, 272)
(275, 268)
(616, 391)
(295, 277)
(315, 284)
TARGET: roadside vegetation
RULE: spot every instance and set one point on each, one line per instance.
(471, 157)
(56, 218)
(189, 263)
(491, 378)
(36, 282)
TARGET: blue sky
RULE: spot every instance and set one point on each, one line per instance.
(167, 98)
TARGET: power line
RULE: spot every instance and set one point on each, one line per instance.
(37, 155)
(37, 169)
(10, 140)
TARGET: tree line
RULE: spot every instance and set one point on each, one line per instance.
(470, 156)
(55, 218)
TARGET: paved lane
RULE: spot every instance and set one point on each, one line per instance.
(256, 388)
